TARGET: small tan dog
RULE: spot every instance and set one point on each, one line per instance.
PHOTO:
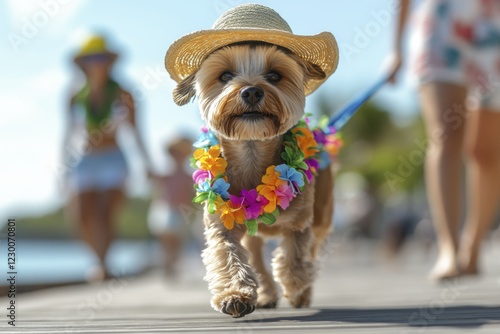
(251, 75)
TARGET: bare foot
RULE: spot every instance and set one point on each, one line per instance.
(95, 274)
(469, 271)
(467, 261)
(445, 268)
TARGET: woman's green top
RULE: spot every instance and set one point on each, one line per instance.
(95, 116)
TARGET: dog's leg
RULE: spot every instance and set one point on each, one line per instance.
(322, 223)
(230, 278)
(323, 209)
(294, 267)
(267, 294)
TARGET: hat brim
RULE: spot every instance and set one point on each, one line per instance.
(187, 53)
(80, 58)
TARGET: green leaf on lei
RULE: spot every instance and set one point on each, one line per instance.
(192, 162)
(302, 124)
(252, 226)
(220, 176)
(323, 122)
(304, 177)
(268, 218)
(211, 207)
(202, 197)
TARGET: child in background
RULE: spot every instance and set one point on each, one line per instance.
(172, 210)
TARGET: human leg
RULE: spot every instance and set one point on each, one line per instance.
(87, 214)
(443, 109)
(111, 203)
(483, 171)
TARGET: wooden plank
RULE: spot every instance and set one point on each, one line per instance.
(355, 293)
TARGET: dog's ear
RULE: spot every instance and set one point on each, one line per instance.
(312, 71)
(184, 91)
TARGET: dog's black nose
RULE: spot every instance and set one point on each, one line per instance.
(252, 95)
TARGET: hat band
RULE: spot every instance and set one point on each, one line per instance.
(96, 58)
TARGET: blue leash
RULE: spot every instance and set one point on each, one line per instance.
(343, 116)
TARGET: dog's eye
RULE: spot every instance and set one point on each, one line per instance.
(225, 77)
(273, 77)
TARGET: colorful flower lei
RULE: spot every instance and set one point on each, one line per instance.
(305, 152)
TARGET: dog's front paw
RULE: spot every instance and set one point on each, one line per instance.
(296, 281)
(237, 304)
(268, 298)
(302, 300)
(267, 303)
(237, 308)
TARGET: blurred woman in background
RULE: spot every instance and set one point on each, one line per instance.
(98, 110)
(456, 57)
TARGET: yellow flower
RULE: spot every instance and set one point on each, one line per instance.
(230, 212)
(306, 142)
(210, 160)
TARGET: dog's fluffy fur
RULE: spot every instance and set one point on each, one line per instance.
(236, 273)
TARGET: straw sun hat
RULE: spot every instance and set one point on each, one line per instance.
(250, 22)
(95, 45)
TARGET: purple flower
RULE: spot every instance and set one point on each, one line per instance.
(313, 168)
(319, 136)
(254, 203)
(313, 164)
(236, 201)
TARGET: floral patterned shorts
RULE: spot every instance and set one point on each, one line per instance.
(458, 41)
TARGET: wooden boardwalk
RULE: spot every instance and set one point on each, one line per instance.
(355, 293)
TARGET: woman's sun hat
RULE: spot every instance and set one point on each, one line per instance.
(94, 47)
(251, 22)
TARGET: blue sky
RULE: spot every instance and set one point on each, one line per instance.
(38, 38)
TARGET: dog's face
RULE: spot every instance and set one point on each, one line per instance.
(249, 91)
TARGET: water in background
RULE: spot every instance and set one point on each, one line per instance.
(57, 261)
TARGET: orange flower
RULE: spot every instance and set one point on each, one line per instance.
(272, 177)
(306, 142)
(231, 211)
(210, 160)
(269, 192)
(271, 181)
